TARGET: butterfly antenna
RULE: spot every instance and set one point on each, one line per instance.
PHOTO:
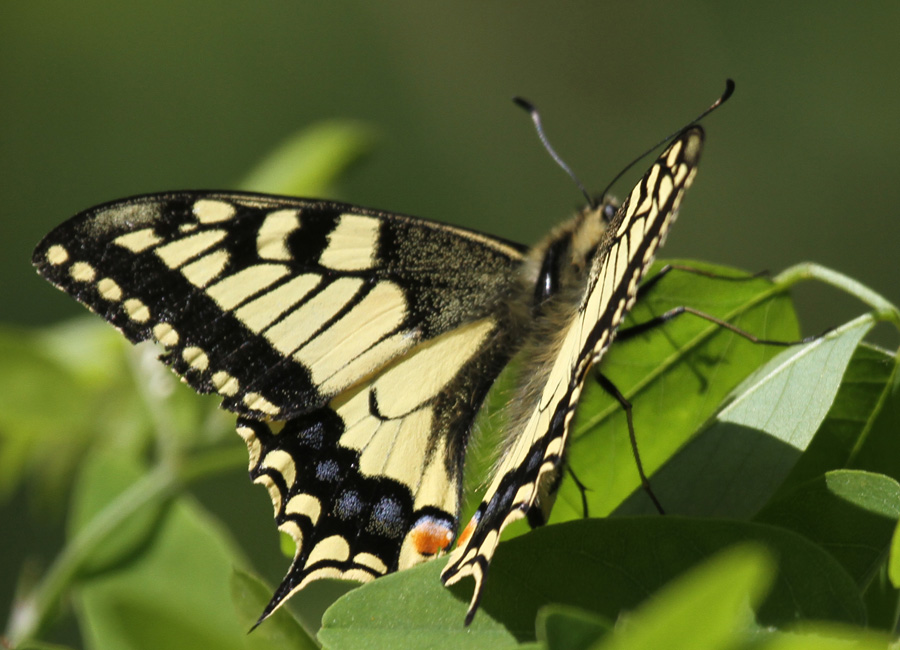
(729, 90)
(536, 118)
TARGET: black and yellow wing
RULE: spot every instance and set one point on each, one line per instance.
(276, 304)
(571, 334)
(355, 346)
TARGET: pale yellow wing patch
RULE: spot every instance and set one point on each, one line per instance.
(546, 414)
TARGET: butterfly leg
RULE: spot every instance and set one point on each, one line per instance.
(633, 331)
(668, 268)
(582, 489)
(656, 321)
(614, 392)
(672, 313)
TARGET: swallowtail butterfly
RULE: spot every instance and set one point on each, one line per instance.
(356, 347)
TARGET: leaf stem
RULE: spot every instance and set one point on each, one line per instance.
(884, 309)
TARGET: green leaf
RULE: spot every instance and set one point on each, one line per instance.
(866, 384)
(173, 594)
(738, 462)
(569, 628)
(791, 395)
(610, 565)
(603, 566)
(851, 514)
(675, 375)
(41, 405)
(710, 607)
(279, 631)
(894, 562)
(826, 637)
(882, 600)
(80, 385)
(312, 160)
(879, 450)
(410, 609)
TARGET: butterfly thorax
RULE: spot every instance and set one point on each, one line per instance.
(553, 281)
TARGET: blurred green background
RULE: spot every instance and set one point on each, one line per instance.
(102, 99)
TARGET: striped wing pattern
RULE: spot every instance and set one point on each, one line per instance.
(537, 447)
(276, 304)
(356, 348)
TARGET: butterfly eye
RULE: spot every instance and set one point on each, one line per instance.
(609, 211)
(548, 279)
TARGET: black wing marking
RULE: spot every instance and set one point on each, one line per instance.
(277, 304)
(547, 408)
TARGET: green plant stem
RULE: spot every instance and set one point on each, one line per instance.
(163, 482)
(884, 309)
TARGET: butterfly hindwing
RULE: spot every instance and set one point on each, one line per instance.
(545, 409)
(371, 483)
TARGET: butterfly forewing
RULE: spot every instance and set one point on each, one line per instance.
(276, 304)
(545, 409)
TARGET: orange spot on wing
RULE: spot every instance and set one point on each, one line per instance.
(467, 531)
(430, 537)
